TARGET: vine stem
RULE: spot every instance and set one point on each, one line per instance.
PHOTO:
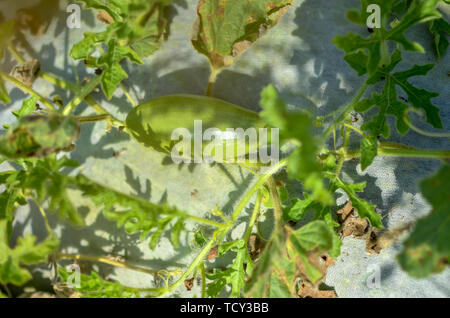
(75, 89)
(262, 179)
(202, 271)
(106, 260)
(206, 221)
(94, 118)
(423, 132)
(198, 259)
(44, 215)
(27, 90)
(276, 202)
(220, 233)
(407, 153)
(254, 216)
(212, 81)
(81, 95)
(347, 110)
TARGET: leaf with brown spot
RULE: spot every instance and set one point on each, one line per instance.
(224, 29)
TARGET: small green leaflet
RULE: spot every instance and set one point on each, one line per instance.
(93, 286)
(374, 48)
(364, 208)
(235, 274)
(388, 101)
(440, 29)
(369, 150)
(135, 215)
(226, 28)
(113, 73)
(28, 107)
(298, 208)
(26, 252)
(38, 135)
(427, 250)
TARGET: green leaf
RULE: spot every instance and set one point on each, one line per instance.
(358, 61)
(427, 250)
(135, 215)
(314, 235)
(137, 32)
(87, 46)
(28, 107)
(298, 208)
(388, 102)
(26, 252)
(364, 208)
(440, 29)
(39, 136)
(234, 275)
(113, 73)
(369, 150)
(226, 28)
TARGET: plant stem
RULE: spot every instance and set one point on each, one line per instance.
(27, 90)
(394, 145)
(406, 153)
(128, 95)
(276, 202)
(201, 269)
(212, 81)
(254, 216)
(347, 110)
(218, 235)
(81, 95)
(423, 132)
(198, 259)
(44, 215)
(75, 89)
(359, 131)
(206, 221)
(94, 118)
(262, 179)
(114, 263)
